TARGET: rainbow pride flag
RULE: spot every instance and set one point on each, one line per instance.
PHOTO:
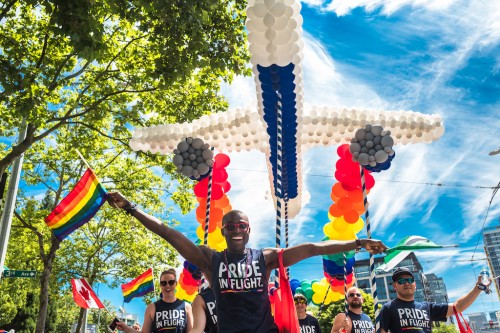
(78, 207)
(139, 286)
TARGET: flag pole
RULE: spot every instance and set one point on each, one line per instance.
(154, 284)
(83, 159)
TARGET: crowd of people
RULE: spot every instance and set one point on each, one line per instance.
(237, 297)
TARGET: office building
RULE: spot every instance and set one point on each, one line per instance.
(491, 239)
(437, 289)
(477, 320)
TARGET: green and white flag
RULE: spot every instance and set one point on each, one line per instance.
(406, 246)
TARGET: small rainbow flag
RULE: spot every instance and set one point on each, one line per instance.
(139, 286)
(78, 207)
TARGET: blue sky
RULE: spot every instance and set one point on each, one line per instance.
(431, 56)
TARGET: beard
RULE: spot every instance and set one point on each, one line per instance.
(355, 305)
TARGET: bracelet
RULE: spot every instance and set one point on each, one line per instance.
(130, 208)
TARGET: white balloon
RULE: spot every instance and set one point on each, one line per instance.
(269, 20)
(260, 10)
(278, 9)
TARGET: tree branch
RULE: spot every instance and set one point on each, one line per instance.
(6, 9)
(35, 231)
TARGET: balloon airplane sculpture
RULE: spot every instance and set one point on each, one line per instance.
(281, 126)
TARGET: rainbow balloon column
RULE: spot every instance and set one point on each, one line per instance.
(345, 222)
(371, 147)
(194, 159)
(190, 278)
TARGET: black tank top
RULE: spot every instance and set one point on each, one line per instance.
(170, 317)
(240, 288)
(211, 324)
(361, 323)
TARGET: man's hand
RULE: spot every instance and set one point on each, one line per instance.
(117, 200)
(373, 246)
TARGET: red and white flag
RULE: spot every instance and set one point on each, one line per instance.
(84, 296)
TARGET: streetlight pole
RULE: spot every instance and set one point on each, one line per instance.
(10, 200)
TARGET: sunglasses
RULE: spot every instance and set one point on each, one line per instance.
(232, 226)
(410, 280)
(164, 283)
(354, 294)
(300, 301)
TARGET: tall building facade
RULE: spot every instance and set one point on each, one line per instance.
(491, 239)
(437, 289)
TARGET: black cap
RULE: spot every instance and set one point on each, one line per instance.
(400, 271)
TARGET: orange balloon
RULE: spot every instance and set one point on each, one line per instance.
(335, 210)
(338, 191)
(222, 202)
(227, 209)
(355, 195)
(344, 204)
(359, 207)
(351, 216)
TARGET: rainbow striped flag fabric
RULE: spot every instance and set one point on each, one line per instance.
(140, 286)
(78, 207)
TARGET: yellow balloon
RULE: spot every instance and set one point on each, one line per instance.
(358, 226)
(337, 296)
(331, 217)
(328, 230)
(200, 232)
(216, 235)
(317, 299)
(347, 235)
(340, 225)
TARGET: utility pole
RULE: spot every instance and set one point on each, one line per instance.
(10, 200)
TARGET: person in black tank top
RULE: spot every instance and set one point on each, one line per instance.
(168, 314)
(204, 313)
(356, 321)
(236, 269)
(307, 323)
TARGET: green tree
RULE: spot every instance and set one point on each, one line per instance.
(81, 74)
(444, 328)
(86, 62)
(25, 319)
(109, 249)
(331, 310)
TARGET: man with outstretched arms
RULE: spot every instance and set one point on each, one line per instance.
(239, 275)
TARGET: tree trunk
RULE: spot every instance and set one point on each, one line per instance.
(80, 320)
(44, 286)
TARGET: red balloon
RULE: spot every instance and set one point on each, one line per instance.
(343, 151)
(370, 181)
(219, 175)
(217, 191)
(226, 186)
(221, 161)
(200, 189)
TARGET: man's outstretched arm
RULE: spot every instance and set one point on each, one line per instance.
(200, 256)
(465, 301)
(294, 254)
